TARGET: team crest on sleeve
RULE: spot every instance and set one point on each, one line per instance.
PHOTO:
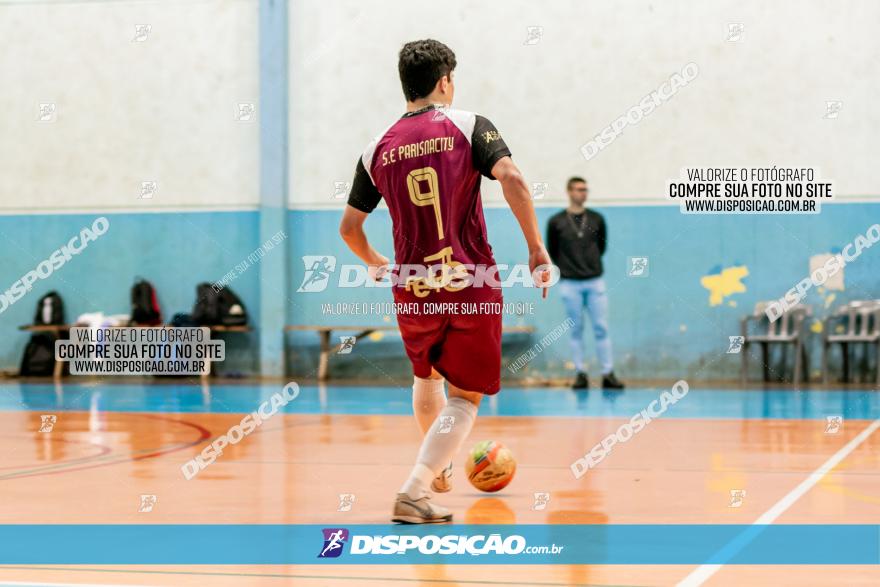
(491, 136)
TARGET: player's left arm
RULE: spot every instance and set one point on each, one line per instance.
(519, 198)
(492, 159)
(363, 199)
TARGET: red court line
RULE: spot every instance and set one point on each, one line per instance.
(103, 450)
(204, 434)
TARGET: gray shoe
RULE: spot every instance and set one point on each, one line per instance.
(418, 511)
(441, 483)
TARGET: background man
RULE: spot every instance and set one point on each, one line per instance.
(576, 241)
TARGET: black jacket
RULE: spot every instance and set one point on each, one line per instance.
(578, 257)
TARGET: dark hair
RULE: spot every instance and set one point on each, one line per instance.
(574, 180)
(421, 64)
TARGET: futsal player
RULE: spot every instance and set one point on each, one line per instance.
(427, 165)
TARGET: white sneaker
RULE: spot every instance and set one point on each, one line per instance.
(418, 511)
(441, 483)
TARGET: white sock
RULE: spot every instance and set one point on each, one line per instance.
(428, 400)
(441, 442)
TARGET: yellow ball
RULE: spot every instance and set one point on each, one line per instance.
(490, 466)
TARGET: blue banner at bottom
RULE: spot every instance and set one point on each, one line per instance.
(639, 544)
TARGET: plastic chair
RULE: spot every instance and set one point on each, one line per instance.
(861, 319)
(788, 329)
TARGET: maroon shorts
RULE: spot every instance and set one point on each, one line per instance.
(464, 348)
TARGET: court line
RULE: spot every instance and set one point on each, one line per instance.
(103, 450)
(285, 576)
(43, 584)
(560, 410)
(112, 458)
(704, 572)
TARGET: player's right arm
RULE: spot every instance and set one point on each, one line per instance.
(352, 231)
(363, 199)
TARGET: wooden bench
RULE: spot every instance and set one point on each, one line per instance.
(57, 329)
(325, 334)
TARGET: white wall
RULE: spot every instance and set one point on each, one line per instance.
(161, 110)
(756, 102)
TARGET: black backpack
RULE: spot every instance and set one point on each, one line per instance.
(182, 320)
(39, 355)
(144, 304)
(50, 310)
(232, 310)
(206, 310)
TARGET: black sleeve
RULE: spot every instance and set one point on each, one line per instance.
(552, 240)
(364, 195)
(602, 237)
(487, 145)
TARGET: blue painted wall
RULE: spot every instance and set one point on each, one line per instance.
(662, 325)
(175, 251)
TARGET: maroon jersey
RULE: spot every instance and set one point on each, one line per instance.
(428, 166)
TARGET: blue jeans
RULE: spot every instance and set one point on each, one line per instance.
(590, 293)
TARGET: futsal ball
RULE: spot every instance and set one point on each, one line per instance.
(490, 466)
